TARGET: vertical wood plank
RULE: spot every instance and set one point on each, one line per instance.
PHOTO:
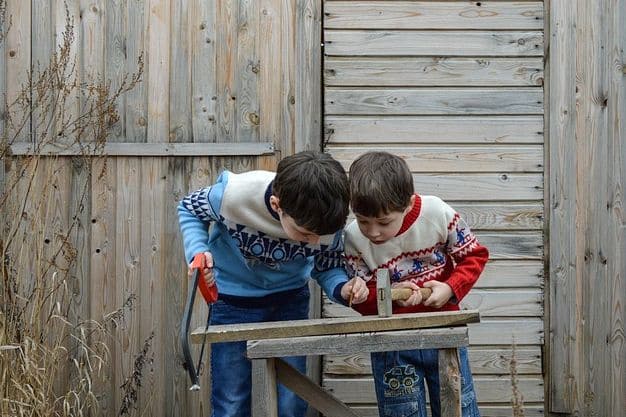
(204, 67)
(127, 266)
(158, 75)
(18, 62)
(449, 382)
(616, 170)
(103, 267)
(561, 86)
(287, 74)
(180, 97)
(592, 138)
(70, 105)
(270, 58)
(135, 32)
(265, 398)
(227, 45)
(115, 60)
(308, 107)
(153, 303)
(174, 284)
(247, 64)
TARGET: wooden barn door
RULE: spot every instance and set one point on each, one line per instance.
(226, 84)
(455, 87)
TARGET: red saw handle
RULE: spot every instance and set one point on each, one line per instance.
(209, 293)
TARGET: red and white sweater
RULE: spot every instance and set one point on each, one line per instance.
(434, 243)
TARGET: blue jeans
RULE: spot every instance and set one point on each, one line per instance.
(399, 381)
(231, 371)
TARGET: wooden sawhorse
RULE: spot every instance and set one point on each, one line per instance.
(269, 341)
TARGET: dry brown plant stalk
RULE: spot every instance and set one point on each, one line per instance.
(50, 356)
(517, 400)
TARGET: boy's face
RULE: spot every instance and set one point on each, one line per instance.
(293, 231)
(381, 228)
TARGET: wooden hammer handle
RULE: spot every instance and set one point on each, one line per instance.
(405, 293)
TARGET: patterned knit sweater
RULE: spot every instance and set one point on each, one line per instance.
(434, 243)
(252, 254)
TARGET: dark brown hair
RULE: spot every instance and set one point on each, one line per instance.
(380, 183)
(313, 189)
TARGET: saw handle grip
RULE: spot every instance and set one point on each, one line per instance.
(209, 293)
(405, 293)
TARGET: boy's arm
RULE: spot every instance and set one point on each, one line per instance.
(195, 214)
(469, 256)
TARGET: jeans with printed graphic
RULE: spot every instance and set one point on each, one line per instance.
(399, 381)
(231, 371)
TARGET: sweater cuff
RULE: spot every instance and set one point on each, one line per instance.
(337, 294)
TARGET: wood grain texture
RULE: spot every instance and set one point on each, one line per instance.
(423, 43)
(315, 327)
(434, 15)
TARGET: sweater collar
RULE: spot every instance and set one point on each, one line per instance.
(411, 216)
(268, 194)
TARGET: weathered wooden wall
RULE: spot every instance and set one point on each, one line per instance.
(587, 141)
(456, 88)
(227, 84)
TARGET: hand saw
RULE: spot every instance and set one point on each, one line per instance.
(209, 293)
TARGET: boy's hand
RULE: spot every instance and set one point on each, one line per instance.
(355, 290)
(441, 293)
(414, 299)
(207, 268)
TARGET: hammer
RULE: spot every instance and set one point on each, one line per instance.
(385, 295)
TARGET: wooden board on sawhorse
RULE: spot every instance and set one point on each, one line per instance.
(269, 341)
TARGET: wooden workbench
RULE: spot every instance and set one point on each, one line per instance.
(267, 342)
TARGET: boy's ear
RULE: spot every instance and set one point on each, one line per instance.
(274, 203)
(411, 203)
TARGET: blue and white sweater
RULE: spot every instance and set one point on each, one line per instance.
(252, 255)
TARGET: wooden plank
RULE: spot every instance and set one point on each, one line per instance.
(310, 392)
(287, 72)
(480, 187)
(433, 71)
(488, 389)
(154, 299)
(265, 396)
(134, 37)
(65, 16)
(316, 327)
(477, 158)
(203, 70)
(434, 15)
(514, 245)
(226, 72)
(102, 265)
(17, 46)
(490, 303)
(148, 149)
(450, 382)
(433, 101)
(174, 285)
(115, 61)
(562, 208)
(270, 58)
(158, 75)
(502, 216)
(433, 129)
(359, 342)
(484, 361)
(183, 100)
(247, 79)
(506, 331)
(423, 43)
(507, 273)
(308, 64)
(93, 38)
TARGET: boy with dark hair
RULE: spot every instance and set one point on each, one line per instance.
(424, 243)
(270, 232)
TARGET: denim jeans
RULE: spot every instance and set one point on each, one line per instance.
(399, 381)
(231, 371)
